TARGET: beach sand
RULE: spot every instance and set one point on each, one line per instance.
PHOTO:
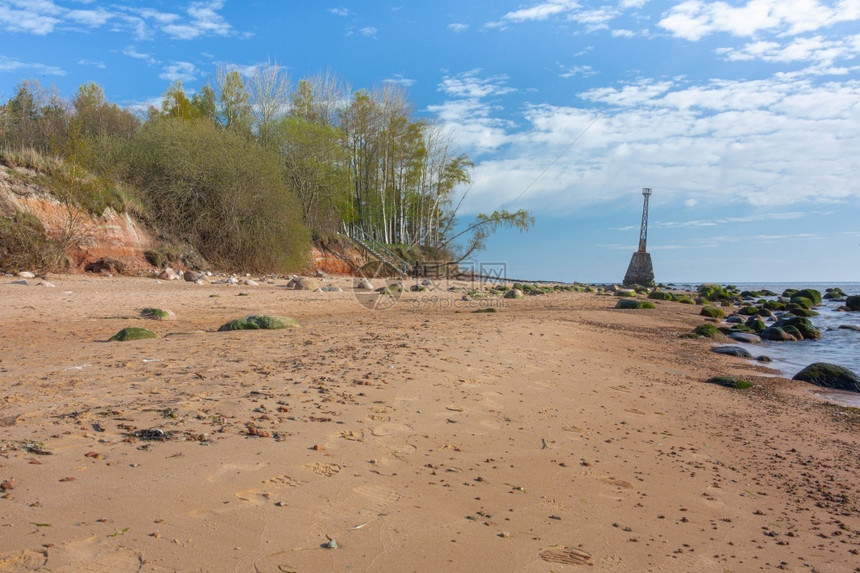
(558, 434)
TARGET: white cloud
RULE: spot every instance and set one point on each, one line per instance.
(179, 71)
(42, 17)
(455, 27)
(400, 80)
(695, 19)
(573, 71)
(470, 84)
(766, 143)
(100, 65)
(90, 18)
(38, 17)
(541, 11)
(369, 32)
(815, 50)
(592, 19)
(13, 65)
(132, 52)
(343, 12)
(640, 93)
(626, 4)
(622, 33)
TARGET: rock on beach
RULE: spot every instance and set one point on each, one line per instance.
(829, 376)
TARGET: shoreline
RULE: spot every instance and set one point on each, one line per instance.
(555, 431)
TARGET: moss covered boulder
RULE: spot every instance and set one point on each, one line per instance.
(800, 301)
(631, 304)
(776, 334)
(712, 292)
(514, 293)
(157, 314)
(732, 351)
(802, 324)
(661, 295)
(829, 376)
(853, 303)
(730, 382)
(834, 294)
(132, 333)
(707, 330)
(800, 311)
(259, 322)
(712, 312)
(755, 324)
(809, 293)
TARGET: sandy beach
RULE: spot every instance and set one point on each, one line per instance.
(557, 434)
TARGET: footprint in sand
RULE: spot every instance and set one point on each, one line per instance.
(285, 481)
(85, 557)
(327, 470)
(228, 469)
(22, 561)
(390, 429)
(617, 482)
(355, 436)
(254, 496)
(379, 495)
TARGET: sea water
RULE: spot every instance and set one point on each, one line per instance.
(837, 345)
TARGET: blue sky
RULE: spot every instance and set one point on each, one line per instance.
(742, 115)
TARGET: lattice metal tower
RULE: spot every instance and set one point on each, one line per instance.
(640, 270)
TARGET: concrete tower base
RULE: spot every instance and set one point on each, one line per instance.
(640, 271)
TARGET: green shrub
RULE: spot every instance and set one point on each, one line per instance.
(221, 191)
(25, 246)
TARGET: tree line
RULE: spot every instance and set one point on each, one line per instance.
(248, 169)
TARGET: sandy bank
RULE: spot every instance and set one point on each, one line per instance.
(552, 435)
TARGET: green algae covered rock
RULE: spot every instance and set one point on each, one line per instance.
(730, 382)
(157, 314)
(132, 333)
(809, 293)
(712, 312)
(661, 295)
(630, 304)
(829, 376)
(707, 330)
(259, 322)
